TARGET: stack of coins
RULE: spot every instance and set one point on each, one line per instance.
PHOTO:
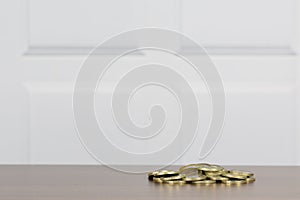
(202, 174)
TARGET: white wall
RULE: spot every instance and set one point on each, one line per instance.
(41, 54)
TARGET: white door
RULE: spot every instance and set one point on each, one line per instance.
(253, 43)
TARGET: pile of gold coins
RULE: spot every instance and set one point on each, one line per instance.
(202, 174)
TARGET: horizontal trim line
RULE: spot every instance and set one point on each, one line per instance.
(212, 50)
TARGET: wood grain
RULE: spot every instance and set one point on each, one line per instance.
(99, 182)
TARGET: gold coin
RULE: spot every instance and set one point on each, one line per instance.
(234, 176)
(204, 182)
(211, 168)
(194, 178)
(189, 171)
(157, 180)
(190, 166)
(218, 178)
(241, 173)
(217, 173)
(202, 165)
(172, 178)
(162, 173)
(234, 182)
(151, 175)
(180, 182)
(156, 172)
(250, 180)
(166, 173)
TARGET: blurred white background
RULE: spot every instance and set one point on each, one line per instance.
(254, 44)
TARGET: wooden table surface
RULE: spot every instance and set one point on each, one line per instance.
(99, 182)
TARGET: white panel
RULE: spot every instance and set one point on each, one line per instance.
(53, 138)
(260, 23)
(260, 116)
(223, 27)
(67, 23)
(260, 121)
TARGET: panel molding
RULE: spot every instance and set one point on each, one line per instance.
(211, 50)
(32, 50)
